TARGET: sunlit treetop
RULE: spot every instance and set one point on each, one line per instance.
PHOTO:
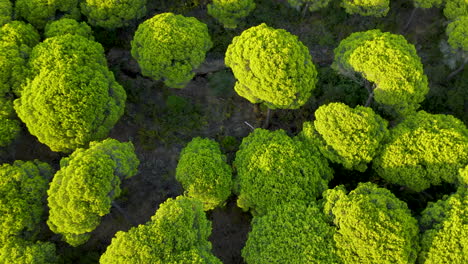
(230, 12)
(170, 47)
(6, 9)
(463, 174)
(457, 32)
(83, 189)
(377, 8)
(271, 66)
(112, 14)
(177, 233)
(23, 187)
(373, 225)
(455, 9)
(445, 230)
(17, 250)
(428, 3)
(19, 33)
(424, 150)
(68, 26)
(39, 12)
(390, 62)
(311, 5)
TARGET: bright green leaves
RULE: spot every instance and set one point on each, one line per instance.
(6, 9)
(424, 150)
(170, 47)
(291, 233)
(230, 12)
(112, 14)
(455, 9)
(203, 172)
(445, 237)
(17, 250)
(457, 32)
(68, 26)
(273, 168)
(23, 188)
(377, 8)
(373, 226)
(39, 12)
(312, 5)
(390, 62)
(86, 184)
(177, 233)
(271, 66)
(348, 136)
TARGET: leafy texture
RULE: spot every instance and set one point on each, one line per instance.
(39, 12)
(9, 127)
(23, 188)
(312, 5)
(230, 12)
(272, 169)
(68, 26)
(390, 62)
(177, 233)
(445, 226)
(427, 3)
(204, 173)
(349, 136)
(6, 9)
(377, 8)
(424, 150)
(291, 233)
(17, 250)
(457, 32)
(455, 9)
(271, 66)
(112, 14)
(373, 226)
(85, 186)
(170, 46)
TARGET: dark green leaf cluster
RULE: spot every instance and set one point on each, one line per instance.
(170, 47)
(230, 12)
(17, 250)
(39, 12)
(204, 173)
(293, 232)
(177, 233)
(112, 14)
(273, 168)
(373, 226)
(271, 66)
(377, 8)
(455, 9)
(6, 10)
(85, 186)
(68, 26)
(311, 5)
(427, 3)
(424, 150)
(457, 32)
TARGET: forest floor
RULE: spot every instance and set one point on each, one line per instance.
(160, 121)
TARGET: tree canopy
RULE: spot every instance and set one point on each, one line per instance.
(311, 5)
(455, 9)
(273, 168)
(423, 150)
(373, 225)
(112, 14)
(377, 8)
(230, 12)
(83, 189)
(390, 62)
(271, 66)
(203, 172)
(177, 233)
(17, 250)
(457, 32)
(68, 26)
(39, 12)
(6, 9)
(9, 126)
(170, 47)
(427, 3)
(294, 232)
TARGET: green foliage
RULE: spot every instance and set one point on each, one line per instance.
(230, 12)
(390, 62)
(463, 179)
(457, 32)
(273, 168)
(177, 233)
(74, 66)
(428, 3)
(445, 237)
(9, 127)
(455, 9)
(349, 136)
(424, 150)
(170, 47)
(6, 10)
(222, 83)
(19, 33)
(312, 5)
(203, 172)
(373, 226)
(271, 66)
(85, 186)
(291, 233)
(377, 8)
(17, 250)
(68, 26)
(39, 12)
(23, 188)
(112, 14)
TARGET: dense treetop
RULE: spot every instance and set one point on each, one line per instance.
(457, 32)
(9, 127)
(455, 9)
(112, 14)
(6, 9)
(85, 186)
(230, 12)
(68, 26)
(17, 250)
(271, 66)
(170, 47)
(311, 5)
(39, 12)
(377, 8)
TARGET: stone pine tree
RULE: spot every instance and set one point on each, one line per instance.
(203, 172)
(112, 14)
(457, 32)
(424, 150)
(68, 26)
(273, 168)
(17, 250)
(170, 47)
(373, 225)
(84, 188)
(39, 12)
(455, 8)
(6, 10)
(376, 8)
(177, 233)
(230, 12)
